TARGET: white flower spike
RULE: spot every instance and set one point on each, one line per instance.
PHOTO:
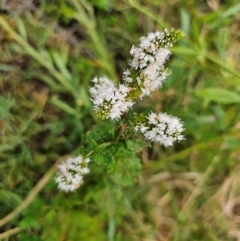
(145, 75)
(148, 60)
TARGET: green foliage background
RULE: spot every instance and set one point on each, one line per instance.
(49, 52)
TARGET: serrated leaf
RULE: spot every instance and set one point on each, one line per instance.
(126, 167)
(219, 95)
(134, 145)
(103, 156)
(96, 136)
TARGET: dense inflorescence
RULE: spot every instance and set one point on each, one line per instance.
(146, 74)
(161, 128)
(70, 173)
(109, 101)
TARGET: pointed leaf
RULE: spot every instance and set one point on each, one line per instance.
(219, 95)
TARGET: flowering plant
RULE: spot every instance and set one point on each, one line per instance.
(115, 149)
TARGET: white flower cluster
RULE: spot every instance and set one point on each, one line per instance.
(146, 74)
(161, 128)
(70, 173)
(109, 101)
(149, 59)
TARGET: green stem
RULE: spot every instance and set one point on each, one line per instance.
(105, 144)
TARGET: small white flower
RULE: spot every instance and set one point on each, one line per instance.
(109, 101)
(161, 128)
(127, 76)
(143, 129)
(70, 173)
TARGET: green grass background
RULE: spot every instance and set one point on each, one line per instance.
(49, 52)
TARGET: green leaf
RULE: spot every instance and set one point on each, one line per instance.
(231, 143)
(28, 237)
(63, 106)
(126, 168)
(28, 222)
(60, 63)
(9, 198)
(219, 95)
(134, 145)
(5, 105)
(98, 135)
(104, 155)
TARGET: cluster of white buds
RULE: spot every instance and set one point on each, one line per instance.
(109, 101)
(147, 72)
(70, 173)
(161, 128)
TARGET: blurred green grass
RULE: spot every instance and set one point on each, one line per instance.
(49, 52)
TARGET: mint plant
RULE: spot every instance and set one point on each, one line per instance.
(115, 147)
